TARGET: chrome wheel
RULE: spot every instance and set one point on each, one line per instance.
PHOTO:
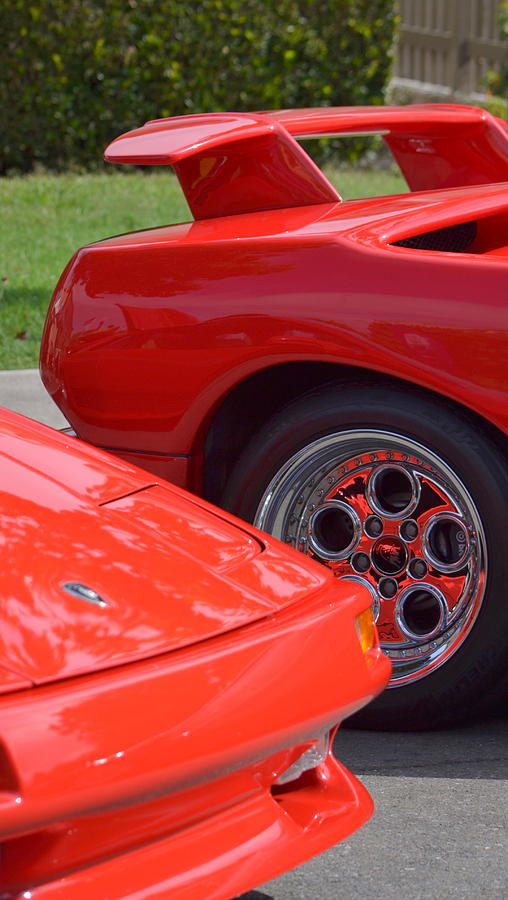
(381, 509)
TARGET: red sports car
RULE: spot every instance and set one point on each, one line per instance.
(335, 372)
(170, 683)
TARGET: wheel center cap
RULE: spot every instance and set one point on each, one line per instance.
(389, 555)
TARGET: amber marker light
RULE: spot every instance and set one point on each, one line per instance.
(366, 630)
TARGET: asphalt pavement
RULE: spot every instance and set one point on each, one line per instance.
(440, 830)
(23, 391)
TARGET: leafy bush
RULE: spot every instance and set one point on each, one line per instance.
(496, 80)
(76, 74)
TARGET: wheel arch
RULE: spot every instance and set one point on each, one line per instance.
(251, 402)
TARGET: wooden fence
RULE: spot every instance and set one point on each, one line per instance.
(447, 46)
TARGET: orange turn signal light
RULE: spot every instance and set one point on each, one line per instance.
(366, 630)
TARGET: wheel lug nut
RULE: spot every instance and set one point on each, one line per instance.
(417, 568)
(373, 526)
(387, 588)
(408, 530)
(360, 562)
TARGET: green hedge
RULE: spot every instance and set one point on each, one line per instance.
(496, 81)
(73, 75)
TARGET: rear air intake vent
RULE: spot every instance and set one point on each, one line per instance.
(454, 239)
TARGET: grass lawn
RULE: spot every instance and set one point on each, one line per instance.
(47, 217)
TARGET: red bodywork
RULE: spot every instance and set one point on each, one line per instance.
(141, 739)
(157, 341)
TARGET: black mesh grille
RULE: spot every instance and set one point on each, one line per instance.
(454, 239)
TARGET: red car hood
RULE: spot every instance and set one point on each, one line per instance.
(170, 572)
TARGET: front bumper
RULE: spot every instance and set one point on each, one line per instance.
(158, 779)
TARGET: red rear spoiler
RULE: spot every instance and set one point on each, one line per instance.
(232, 163)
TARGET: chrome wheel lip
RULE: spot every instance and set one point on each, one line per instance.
(299, 474)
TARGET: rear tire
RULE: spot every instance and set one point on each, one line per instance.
(404, 493)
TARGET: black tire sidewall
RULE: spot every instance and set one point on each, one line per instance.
(457, 689)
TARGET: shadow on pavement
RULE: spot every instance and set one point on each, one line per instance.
(479, 750)
(254, 895)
